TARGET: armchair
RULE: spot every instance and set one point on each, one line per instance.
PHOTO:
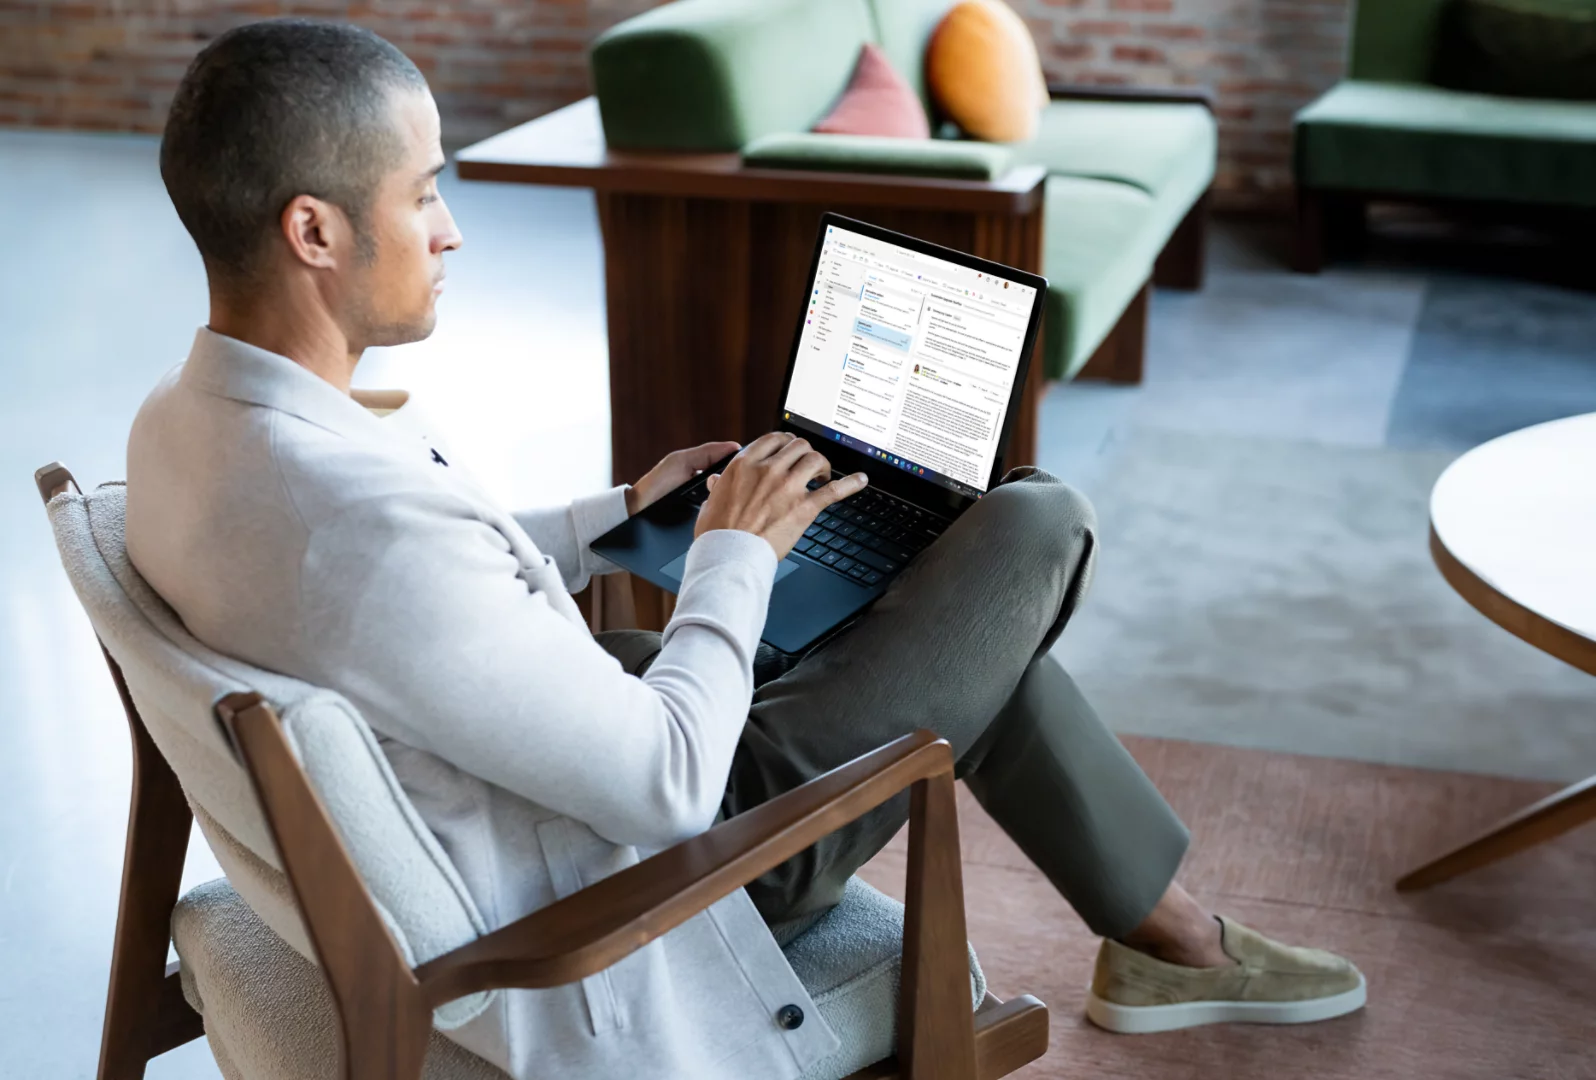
(271, 770)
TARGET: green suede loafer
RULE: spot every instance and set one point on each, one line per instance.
(1270, 983)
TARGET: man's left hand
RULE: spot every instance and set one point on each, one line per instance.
(675, 470)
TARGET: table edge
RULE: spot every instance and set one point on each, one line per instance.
(1547, 635)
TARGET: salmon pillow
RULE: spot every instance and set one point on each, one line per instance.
(876, 102)
(983, 71)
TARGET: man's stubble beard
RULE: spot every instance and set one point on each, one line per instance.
(376, 334)
(373, 328)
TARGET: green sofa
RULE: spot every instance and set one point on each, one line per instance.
(1389, 132)
(1127, 171)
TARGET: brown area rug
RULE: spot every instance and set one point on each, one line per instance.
(1491, 976)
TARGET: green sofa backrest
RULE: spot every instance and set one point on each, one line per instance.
(717, 74)
(902, 29)
(1394, 40)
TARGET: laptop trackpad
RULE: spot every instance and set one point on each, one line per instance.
(678, 566)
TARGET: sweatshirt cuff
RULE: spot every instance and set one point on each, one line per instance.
(594, 515)
(726, 583)
(732, 545)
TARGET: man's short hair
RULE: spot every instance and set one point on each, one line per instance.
(274, 110)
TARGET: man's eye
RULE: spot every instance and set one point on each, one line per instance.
(425, 199)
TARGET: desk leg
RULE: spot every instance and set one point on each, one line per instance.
(1549, 818)
(702, 297)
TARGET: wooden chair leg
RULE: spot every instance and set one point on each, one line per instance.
(1180, 265)
(1122, 356)
(1551, 817)
(1309, 255)
(936, 1039)
(607, 604)
(651, 605)
(145, 1013)
(1009, 1035)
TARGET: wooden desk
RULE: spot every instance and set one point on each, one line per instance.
(705, 265)
(1513, 530)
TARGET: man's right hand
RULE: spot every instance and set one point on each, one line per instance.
(765, 490)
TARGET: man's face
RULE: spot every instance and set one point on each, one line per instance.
(394, 294)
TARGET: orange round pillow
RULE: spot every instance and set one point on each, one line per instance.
(983, 71)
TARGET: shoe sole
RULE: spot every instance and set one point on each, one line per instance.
(1147, 1019)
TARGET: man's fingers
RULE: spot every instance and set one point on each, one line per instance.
(839, 489)
(788, 456)
(813, 464)
(702, 457)
(766, 445)
(709, 484)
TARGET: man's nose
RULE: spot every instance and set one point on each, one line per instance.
(449, 238)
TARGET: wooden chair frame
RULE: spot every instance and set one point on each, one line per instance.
(385, 1007)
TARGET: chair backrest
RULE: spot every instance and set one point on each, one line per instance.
(175, 681)
(1394, 40)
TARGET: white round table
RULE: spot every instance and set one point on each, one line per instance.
(1513, 530)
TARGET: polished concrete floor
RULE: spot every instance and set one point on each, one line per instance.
(102, 292)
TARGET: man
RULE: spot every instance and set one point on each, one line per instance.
(290, 527)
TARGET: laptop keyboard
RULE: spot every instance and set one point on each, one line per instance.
(867, 537)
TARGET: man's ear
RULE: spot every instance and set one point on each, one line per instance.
(317, 232)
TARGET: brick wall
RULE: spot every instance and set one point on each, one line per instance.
(113, 64)
(1263, 59)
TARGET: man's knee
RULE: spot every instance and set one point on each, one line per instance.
(1044, 534)
(1042, 512)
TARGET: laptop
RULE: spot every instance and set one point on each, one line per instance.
(908, 364)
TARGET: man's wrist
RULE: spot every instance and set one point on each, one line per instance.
(631, 496)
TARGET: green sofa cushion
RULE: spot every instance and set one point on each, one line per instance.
(1156, 147)
(1525, 48)
(875, 154)
(1424, 140)
(1101, 240)
(717, 74)
(903, 28)
(1394, 40)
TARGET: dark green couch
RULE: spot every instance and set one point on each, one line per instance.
(1126, 171)
(1389, 132)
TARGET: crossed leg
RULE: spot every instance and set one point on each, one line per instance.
(959, 645)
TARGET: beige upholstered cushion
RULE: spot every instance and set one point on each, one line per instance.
(268, 1012)
(269, 1015)
(175, 681)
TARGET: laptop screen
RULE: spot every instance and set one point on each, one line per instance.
(908, 358)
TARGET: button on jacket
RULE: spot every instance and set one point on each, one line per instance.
(295, 530)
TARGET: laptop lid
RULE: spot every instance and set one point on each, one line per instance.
(910, 360)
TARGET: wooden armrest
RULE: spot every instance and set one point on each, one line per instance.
(588, 931)
(384, 1006)
(1174, 95)
(52, 480)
